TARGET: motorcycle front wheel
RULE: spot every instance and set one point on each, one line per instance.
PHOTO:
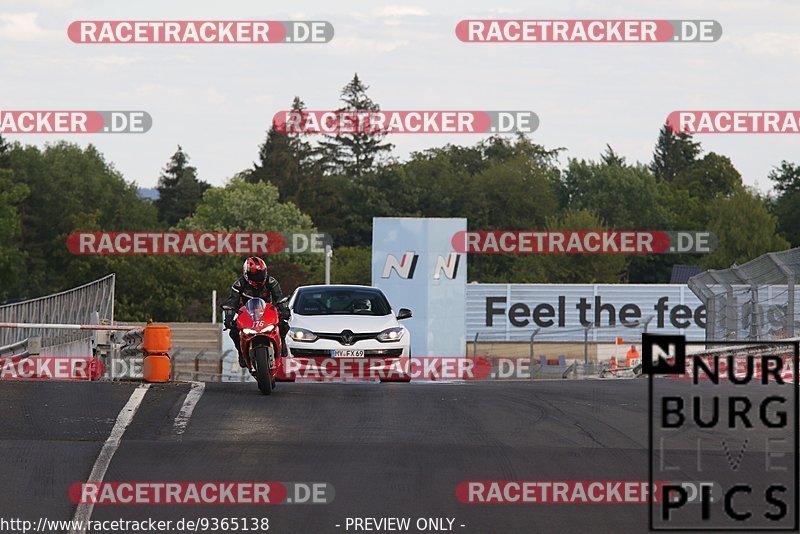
(261, 358)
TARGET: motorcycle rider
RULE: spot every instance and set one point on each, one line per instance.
(255, 282)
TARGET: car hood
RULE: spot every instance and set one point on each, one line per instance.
(336, 323)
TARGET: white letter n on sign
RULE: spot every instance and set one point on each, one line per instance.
(404, 268)
(449, 266)
(660, 354)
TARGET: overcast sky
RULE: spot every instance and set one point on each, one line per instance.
(218, 100)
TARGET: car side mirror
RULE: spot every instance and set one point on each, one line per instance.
(404, 313)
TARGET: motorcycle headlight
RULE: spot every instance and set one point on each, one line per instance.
(249, 332)
(301, 334)
(391, 334)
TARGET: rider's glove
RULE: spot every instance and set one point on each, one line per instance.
(285, 313)
(228, 321)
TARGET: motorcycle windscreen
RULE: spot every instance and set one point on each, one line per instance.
(256, 307)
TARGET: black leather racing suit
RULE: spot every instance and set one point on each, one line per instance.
(241, 292)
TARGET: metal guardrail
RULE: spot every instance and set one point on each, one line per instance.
(80, 305)
(756, 301)
(32, 346)
(20, 348)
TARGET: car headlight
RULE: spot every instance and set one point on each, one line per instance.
(391, 334)
(301, 334)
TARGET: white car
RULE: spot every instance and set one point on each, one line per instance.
(345, 321)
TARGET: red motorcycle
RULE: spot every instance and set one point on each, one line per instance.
(260, 341)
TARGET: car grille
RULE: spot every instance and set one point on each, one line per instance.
(346, 337)
(310, 353)
(369, 353)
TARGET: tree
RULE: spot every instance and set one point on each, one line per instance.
(177, 288)
(627, 197)
(705, 178)
(744, 227)
(349, 265)
(371, 196)
(674, 153)
(609, 157)
(328, 204)
(12, 258)
(630, 197)
(786, 206)
(511, 194)
(679, 210)
(571, 268)
(787, 210)
(786, 177)
(624, 196)
(163, 287)
(5, 159)
(179, 189)
(353, 154)
(70, 189)
(497, 183)
(240, 206)
(285, 159)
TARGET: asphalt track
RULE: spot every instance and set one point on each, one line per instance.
(389, 450)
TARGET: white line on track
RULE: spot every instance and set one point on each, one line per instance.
(83, 512)
(182, 420)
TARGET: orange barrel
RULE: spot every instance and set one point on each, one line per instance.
(156, 339)
(156, 368)
(156, 346)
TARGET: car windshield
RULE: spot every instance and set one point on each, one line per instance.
(341, 301)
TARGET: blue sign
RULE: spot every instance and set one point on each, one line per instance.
(414, 264)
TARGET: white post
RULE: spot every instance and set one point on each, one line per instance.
(328, 255)
(113, 296)
(113, 356)
(214, 307)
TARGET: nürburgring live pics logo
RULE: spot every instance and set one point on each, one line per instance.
(725, 423)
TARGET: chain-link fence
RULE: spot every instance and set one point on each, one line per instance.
(755, 301)
(81, 305)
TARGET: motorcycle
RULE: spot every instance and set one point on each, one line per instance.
(260, 341)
